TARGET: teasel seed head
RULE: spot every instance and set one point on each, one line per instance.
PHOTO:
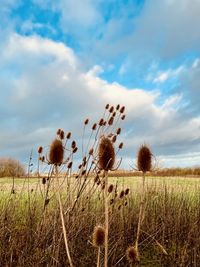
(104, 124)
(110, 188)
(68, 136)
(119, 207)
(43, 180)
(126, 192)
(144, 159)
(83, 172)
(98, 236)
(111, 109)
(106, 154)
(86, 121)
(40, 149)
(73, 145)
(121, 194)
(96, 178)
(122, 109)
(118, 107)
(114, 114)
(121, 145)
(56, 153)
(69, 165)
(62, 135)
(94, 126)
(75, 150)
(123, 117)
(110, 121)
(118, 131)
(91, 151)
(101, 121)
(132, 255)
(58, 131)
(103, 185)
(107, 106)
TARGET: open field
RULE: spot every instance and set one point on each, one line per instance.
(31, 233)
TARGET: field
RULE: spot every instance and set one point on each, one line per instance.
(31, 232)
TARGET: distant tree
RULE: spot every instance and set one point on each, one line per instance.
(11, 168)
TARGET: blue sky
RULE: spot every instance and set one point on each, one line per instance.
(66, 59)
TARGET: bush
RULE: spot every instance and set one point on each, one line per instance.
(11, 168)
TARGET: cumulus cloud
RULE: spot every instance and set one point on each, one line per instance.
(44, 87)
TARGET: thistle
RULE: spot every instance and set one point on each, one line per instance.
(56, 153)
(106, 154)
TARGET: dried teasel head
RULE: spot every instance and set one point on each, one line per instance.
(86, 121)
(98, 236)
(40, 149)
(56, 152)
(94, 126)
(110, 121)
(118, 107)
(106, 154)
(73, 144)
(123, 117)
(121, 194)
(122, 109)
(144, 159)
(62, 135)
(110, 188)
(126, 192)
(121, 145)
(132, 255)
(111, 109)
(107, 106)
(68, 136)
(101, 122)
(118, 131)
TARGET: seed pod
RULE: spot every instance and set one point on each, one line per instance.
(110, 121)
(132, 255)
(62, 135)
(98, 236)
(94, 126)
(69, 165)
(114, 138)
(106, 154)
(56, 153)
(40, 149)
(126, 191)
(114, 114)
(117, 107)
(144, 159)
(84, 161)
(121, 145)
(80, 166)
(43, 158)
(43, 180)
(125, 204)
(103, 186)
(121, 194)
(104, 124)
(111, 109)
(101, 122)
(110, 188)
(58, 131)
(68, 136)
(75, 150)
(73, 145)
(83, 172)
(118, 131)
(96, 178)
(86, 121)
(122, 109)
(107, 106)
(123, 117)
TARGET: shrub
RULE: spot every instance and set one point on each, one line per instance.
(10, 167)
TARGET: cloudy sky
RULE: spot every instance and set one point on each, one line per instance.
(63, 60)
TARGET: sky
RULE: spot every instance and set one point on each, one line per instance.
(64, 60)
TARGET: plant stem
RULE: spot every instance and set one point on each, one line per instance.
(106, 219)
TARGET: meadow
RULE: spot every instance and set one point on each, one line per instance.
(93, 216)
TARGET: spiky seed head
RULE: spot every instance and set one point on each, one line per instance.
(68, 136)
(103, 185)
(43, 180)
(110, 188)
(104, 124)
(69, 165)
(62, 135)
(80, 166)
(121, 145)
(58, 131)
(125, 203)
(43, 158)
(56, 153)
(114, 114)
(40, 149)
(122, 109)
(118, 131)
(98, 236)
(86, 121)
(84, 161)
(123, 117)
(101, 121)
(94, 126)
(83, 172)
(107, 106)
(144, 159)
(106, 154)
(75, 150)
(132, 255)
(121, 194)
(73, 145)
(118, 107)
(111, 109)
(126, 191)
(91, 151)
(110, 121)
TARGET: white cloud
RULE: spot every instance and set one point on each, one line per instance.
(163, 76)
(50, 91)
